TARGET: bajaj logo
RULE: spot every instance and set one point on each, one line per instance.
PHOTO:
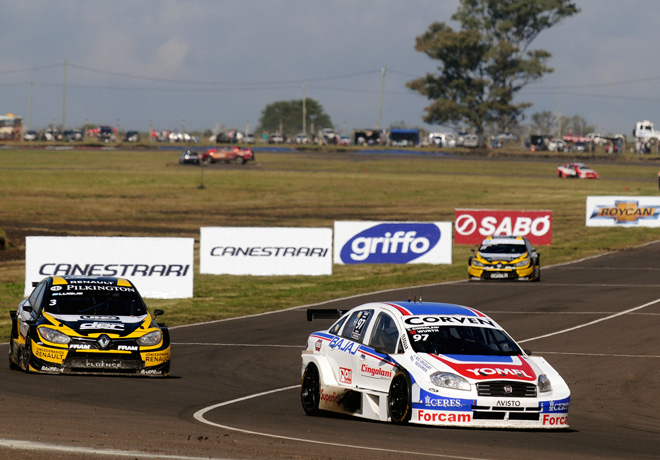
(390, 243)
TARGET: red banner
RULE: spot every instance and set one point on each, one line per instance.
(471, 226)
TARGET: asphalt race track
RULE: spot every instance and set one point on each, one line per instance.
(234, 391)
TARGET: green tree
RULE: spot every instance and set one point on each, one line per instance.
(544, 123)
(485, 63)
(285, 117)
(576, 125)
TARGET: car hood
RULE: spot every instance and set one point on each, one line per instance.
(481, 367)
(90, 325)
(502, 257)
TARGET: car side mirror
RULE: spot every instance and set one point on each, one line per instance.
(158, 312)
(527, 351)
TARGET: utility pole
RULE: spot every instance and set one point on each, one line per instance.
(559, 114)
(30, 106)
(64, 99)
(304, 112)
(382, 89)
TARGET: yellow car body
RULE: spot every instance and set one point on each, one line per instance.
(505, 258)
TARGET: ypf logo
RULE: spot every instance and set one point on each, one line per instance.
(393, 243)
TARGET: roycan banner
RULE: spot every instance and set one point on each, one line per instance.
(623, 211)
(471, 226)
(161, 268)
(265, 251)
(392, 242)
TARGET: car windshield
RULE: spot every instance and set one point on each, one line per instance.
(502, 249)
(462, 340)
(96, 303)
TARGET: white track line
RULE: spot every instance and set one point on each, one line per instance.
(199, 416)
(591, 323)
(70, 450)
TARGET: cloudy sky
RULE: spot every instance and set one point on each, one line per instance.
(201, 63)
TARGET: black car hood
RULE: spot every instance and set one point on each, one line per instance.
(92, 324)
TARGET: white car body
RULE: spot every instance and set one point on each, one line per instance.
(366, 365)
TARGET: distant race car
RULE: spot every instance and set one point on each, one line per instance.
(90, 325)
(428, 363)
(228, 154)
(189, 157)
(576, 171)
(505, 258)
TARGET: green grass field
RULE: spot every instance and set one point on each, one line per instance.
(147, 193)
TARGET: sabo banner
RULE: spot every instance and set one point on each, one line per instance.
(161, 268)
(473, 225)
(265, 251)
(623, 211)
(392, 242)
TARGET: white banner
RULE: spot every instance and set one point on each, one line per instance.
(161, 268)
(265, 251)
(623, 211)
(393, 242)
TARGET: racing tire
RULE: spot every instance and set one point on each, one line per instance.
(537, 274)
(26, 357)
(239, 160)
(12, 365)
(399, 401)
(310, 390)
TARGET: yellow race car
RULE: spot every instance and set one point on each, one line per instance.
(89, 325)
(505, 258)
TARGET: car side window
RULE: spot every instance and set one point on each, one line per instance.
(385, 335)
(337, 326)
(36, 297)
(357, 324)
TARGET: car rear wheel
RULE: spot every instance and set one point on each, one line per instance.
(399, 403)
(310, 390)
(12, 364)
(239, 160)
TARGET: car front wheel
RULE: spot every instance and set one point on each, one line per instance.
(399, 403)
(310, 390)
(27, 354)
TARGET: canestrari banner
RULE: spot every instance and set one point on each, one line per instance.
(471, 226)
(160, 268)
(265, 251)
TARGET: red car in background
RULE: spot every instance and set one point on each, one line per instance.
(238, 155)
(576, 171)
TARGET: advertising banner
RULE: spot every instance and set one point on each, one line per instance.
(265, 251)
(623, 211)
(473, 225)
(161, 268)
(392, 242)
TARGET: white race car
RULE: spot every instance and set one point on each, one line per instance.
(428, 363)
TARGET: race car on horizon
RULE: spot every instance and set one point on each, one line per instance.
(505, 258)
(428, 363)
(576, 171)
(89, 325)
(238, 155)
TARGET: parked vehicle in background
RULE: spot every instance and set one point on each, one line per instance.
(645, 131)
(580, 147)
(132, 136)
(442, 140)
(345, 139)
(470, 140)
(106, 134)
(301, 138)
(30, 135)
(276, 138)
(597, 138)
(556, 145)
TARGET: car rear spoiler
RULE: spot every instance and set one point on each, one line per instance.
(324, 313)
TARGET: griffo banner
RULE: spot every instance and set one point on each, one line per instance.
(473, 225)
(623, 211)
(265, 251)
(161, 268)
(392, 242)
